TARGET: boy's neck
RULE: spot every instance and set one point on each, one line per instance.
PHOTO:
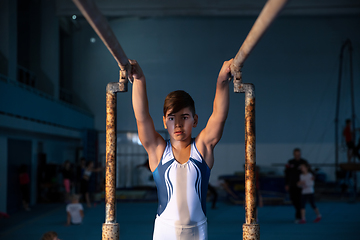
(181, 150)
(180, 144)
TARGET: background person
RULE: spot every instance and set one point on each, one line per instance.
(292, 177)
(51, 235)
(352, 150)
(24, 181)
(67, 173)
(75, 211)
(307, 194)
(85, 181)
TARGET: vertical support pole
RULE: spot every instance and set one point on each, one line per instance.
(99, 23)
(251, 230)
(111, 229)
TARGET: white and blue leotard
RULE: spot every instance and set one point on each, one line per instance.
(182, 188)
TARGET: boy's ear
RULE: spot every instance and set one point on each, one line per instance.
(164, 120)
(196, 118)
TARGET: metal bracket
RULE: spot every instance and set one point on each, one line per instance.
(124, 73)
(237, 75)
(124, 77)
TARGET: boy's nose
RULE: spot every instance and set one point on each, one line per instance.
(178, 122)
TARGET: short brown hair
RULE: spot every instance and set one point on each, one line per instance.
(49, 235)
(177, 100)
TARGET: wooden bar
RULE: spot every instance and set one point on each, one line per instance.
(262, 23)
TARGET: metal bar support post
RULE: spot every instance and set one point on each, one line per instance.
(251, 230)
(111, 229)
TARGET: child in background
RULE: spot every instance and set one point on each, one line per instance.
(50, 236)
(307, 184)
(85, 181)
(75, 211)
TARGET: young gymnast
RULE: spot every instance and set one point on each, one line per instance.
(75, 211)
(181, 165)
(307, 184)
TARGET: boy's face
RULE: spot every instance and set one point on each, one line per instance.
(180, 124)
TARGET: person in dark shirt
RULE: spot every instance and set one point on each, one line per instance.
(80, 168)
(352, 150)
(292, 176)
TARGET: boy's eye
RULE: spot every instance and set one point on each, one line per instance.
(185, 117)
(170, 118)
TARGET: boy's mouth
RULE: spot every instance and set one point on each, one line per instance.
(178, 132)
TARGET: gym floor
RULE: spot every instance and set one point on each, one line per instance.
(340, 221)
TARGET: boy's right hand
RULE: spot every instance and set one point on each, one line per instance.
(225, 72)
(136, 71)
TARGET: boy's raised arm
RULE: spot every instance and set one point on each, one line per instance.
(212, 133)
(150, 139)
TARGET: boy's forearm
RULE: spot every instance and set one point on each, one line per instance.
(140, 100)
(221, 101)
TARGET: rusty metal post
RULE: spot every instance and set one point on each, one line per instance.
(251, 230)
(111, 229)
